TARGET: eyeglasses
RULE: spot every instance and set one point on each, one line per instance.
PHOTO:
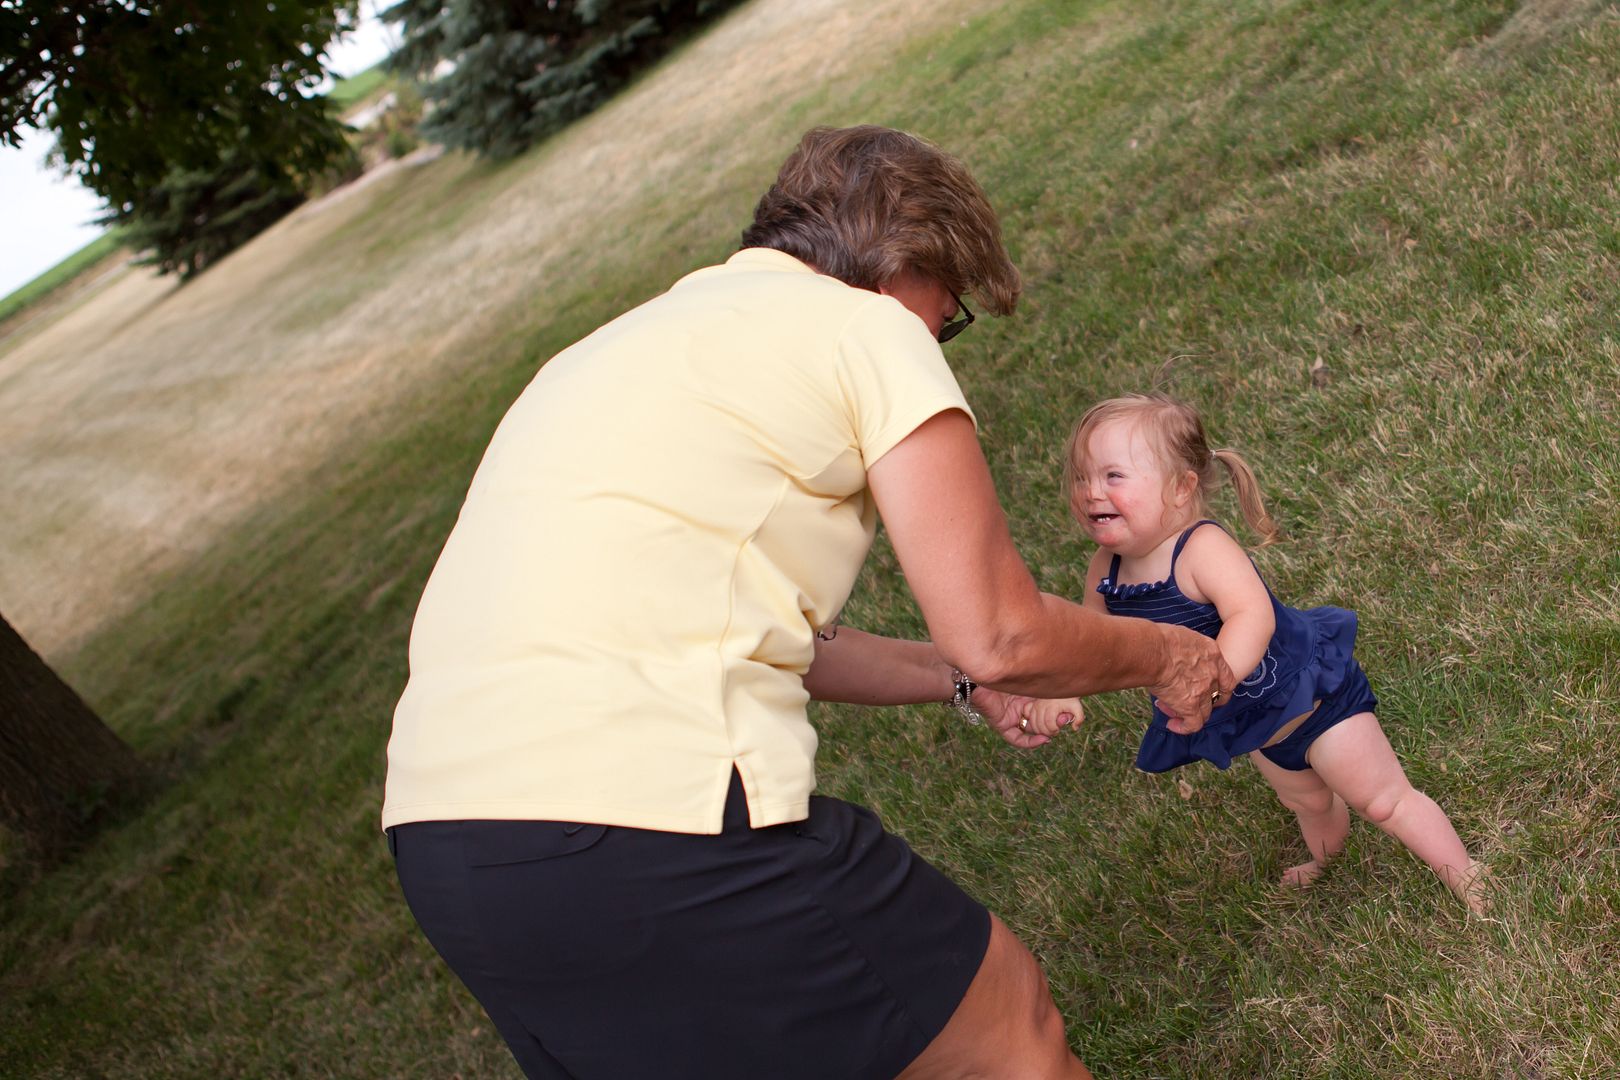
(957, 325)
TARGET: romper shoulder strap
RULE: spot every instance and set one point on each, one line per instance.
(1182, 542)
(1113, 570)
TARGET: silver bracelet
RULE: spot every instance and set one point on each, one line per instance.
(962, 698)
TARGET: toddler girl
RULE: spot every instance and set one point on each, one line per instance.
(1138, 469)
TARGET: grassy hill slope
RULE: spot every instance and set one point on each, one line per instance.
(1377, 243)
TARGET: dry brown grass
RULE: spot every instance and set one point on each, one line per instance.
(1535, 24)
(148, 417)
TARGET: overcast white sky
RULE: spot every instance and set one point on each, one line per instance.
(44, 217)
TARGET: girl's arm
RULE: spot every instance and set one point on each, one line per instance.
(1094, 575)
(983, 609)
(866, 669)
(1214, 569)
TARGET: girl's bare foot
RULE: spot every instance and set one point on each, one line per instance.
(1472, 886)
(1297, 877)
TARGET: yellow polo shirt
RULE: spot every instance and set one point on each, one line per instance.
(628, 601)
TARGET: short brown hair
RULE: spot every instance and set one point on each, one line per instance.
(868, 204)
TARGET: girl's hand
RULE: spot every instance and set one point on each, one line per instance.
(1179, 725)
(1004, 712)
(1048, 716)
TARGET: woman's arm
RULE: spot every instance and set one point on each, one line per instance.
(865, 669)
(984, 612)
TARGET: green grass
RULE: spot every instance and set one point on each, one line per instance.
(63, 273)
(1205, 197)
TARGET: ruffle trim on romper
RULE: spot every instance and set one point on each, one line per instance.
(1245, 724)
(1129, 592)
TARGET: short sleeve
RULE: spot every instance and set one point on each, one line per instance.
(893, 376)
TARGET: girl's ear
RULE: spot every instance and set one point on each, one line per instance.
(1184, 489)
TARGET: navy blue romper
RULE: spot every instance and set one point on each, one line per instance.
(1310, 659)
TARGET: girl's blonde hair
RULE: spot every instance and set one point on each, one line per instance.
(1176, 436)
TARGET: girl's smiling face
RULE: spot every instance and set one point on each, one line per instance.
(1123, 497)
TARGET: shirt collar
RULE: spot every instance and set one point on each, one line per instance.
(770, 259)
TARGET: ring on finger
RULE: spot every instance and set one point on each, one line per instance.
(1023, 723)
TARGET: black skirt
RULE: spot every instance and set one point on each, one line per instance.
(820, 948)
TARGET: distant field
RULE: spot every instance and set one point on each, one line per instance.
(348, 92)
(1377, 243)
(61, 274)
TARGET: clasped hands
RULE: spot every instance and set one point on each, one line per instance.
(1027, 722)
(1197, 679)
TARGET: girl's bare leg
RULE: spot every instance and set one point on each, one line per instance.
(1323, 820)
(1355, 759)
(1006, 1025)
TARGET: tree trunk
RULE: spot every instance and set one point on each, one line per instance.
(60, 766)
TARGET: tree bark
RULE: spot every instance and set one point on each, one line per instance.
(60, 766)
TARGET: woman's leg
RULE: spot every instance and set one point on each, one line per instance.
(1323, 820)
(1006, 1025)
(1355, 759)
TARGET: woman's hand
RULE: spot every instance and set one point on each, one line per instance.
(1012, 716)
(1195, 679)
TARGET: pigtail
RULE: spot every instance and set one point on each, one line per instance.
(1248, 493)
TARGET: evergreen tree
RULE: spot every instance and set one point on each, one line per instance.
(518, 72)
(149, 97)
(195, 216)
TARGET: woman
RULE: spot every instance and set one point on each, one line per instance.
(600, 776)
